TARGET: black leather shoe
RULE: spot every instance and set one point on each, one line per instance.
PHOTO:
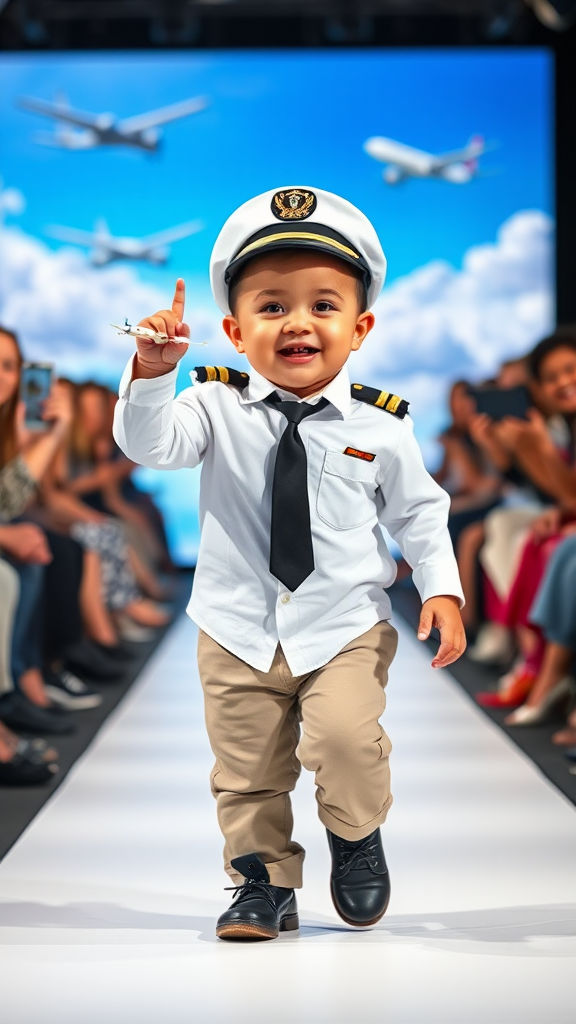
(20, 714)
(359, 883)
(95, 661)
(259, 910)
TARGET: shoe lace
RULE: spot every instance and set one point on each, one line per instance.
(251, 888)
(72, 683)
(360, 856)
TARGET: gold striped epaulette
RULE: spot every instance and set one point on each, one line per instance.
(383, 399)
(225, 374)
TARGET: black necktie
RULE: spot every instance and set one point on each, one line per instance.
(291, 553)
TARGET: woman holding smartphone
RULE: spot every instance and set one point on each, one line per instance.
(24, 545)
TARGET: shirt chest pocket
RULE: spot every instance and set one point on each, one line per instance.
(346, 491)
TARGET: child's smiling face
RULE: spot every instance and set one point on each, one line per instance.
(297, 317)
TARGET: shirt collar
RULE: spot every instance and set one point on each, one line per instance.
(337, 392)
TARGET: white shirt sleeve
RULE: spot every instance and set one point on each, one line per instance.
(155, 429)
(416, 514)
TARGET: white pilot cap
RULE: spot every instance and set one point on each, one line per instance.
(302, 217)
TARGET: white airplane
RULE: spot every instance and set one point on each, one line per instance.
(406, 162)
(77, 130)
(106, 248)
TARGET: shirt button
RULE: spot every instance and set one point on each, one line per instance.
(285, 598)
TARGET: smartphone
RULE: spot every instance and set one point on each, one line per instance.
(498, 403)
(35, 386)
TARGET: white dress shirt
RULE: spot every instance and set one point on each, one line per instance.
(235, 435)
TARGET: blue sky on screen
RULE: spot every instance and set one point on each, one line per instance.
(470, 267)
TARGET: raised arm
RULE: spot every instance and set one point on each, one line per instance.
(533, 449)
(151, 426)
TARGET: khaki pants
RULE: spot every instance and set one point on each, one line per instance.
(264, 725)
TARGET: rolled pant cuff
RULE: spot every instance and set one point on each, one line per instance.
(286, 873)
(353, 832)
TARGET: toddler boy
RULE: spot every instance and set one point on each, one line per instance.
(299, 470)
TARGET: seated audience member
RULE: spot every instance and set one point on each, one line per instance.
(513, 373)
(469, 475)
(100, 475)
(553, 613)
(112, 570)
(117, 492)
(22, 762)
(510, 486)
(498, 542)
(465, 473)
(553, 365)
(23, 462)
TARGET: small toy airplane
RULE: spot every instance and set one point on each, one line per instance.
(146, 332)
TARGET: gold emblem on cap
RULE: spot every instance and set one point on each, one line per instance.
(295, 204)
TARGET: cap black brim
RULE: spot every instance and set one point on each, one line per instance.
(317, 237)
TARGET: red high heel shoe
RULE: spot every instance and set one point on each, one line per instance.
(514, 688)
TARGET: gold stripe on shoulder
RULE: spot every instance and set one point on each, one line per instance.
(381, 399)
(393, 403)
(223, 374)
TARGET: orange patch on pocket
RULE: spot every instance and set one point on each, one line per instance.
(356, 454)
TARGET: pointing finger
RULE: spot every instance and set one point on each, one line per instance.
(178, 300)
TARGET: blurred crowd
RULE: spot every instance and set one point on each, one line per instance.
(510, 467)
(85, 573)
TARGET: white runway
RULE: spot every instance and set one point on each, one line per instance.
(108, 901)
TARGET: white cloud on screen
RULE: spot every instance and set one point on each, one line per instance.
(451, 323)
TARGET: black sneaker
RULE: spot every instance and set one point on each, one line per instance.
(259, 910)
(359, 883)
(97, 662)
(21, 715)
(67, 691)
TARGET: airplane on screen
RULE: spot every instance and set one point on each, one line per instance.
(405, 162)
(77, 130)
(106, 248)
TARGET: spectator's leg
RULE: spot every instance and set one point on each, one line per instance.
(9, 589)
(555, 665)
(469, 543)
(63, 579)
(554, 612)
(96, 617)
(28, 626)
(27, 636)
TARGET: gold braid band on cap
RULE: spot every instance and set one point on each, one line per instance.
(382, 399)
(300, 236)
(225, 374)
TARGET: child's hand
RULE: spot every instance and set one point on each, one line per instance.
(155, 360)
(444, 613)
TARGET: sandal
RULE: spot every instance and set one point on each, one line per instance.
(20, 770)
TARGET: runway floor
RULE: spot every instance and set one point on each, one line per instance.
(108, 900)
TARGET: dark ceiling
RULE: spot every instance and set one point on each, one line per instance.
(104, 24)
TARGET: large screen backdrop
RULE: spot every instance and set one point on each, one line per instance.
(469, 242)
